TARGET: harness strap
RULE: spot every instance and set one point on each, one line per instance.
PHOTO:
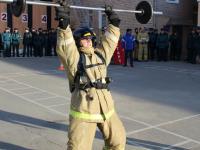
(83, 70)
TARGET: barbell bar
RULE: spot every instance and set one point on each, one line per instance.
(143, 10)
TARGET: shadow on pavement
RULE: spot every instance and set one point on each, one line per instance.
(30, 121)
(151, 145)
(154, 84)
(6, 146)
(38, 123)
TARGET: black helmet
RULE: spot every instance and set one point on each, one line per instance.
(82, 33)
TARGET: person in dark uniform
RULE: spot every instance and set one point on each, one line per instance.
(52, 41)
(162, 44)
(27, 39)
(152, 43)
(16, 37)
(32, 47)
(1, 47)
(45, 42)
(174, 54)
(196, 51)
(38, 41)
(190, 45)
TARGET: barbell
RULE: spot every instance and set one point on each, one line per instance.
(143, 12)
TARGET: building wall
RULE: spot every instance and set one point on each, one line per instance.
(182, 10)
(173, 15)
(3, 25)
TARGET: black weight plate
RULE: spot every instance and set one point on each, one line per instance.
(144, 17)
(17, 7)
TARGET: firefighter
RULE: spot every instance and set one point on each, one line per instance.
(91, 102)
(143, 39)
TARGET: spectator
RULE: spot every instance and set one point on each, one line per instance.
(162, 45)
(1, 45)
(136, 44)
(46, 44)
(32, 46)
(143, 39)
(38, 41)
(54, 41)
(128, 41)
(196, 52)
(152, 43)
(27, 39)
(16, 37)
(7, 40)
(173, 39)
(190, 45)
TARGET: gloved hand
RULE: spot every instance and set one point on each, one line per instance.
(112, 16)
(63, 14)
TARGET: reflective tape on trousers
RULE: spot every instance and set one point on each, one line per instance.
(87, 116)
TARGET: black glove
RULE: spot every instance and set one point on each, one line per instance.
(112, 16)
(63, 14)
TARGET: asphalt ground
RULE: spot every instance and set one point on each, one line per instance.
(158, 102)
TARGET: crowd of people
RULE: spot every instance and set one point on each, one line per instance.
(36, 43)
(148, 44)
(142, 45)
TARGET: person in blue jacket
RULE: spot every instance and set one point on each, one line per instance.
(128, 43)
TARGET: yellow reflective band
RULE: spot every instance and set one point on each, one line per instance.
(87, 34)
(87, 116)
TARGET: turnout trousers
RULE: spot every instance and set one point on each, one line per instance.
(82, 133)
(143, 52)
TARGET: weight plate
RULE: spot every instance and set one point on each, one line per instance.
(146, 14)
(17, 7)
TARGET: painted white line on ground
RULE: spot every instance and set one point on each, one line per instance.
(45, 98)
(20, 89)
(4, 81)
(29, 93)
(140, 144)
(57, 105)
(27, 73)
(121, 116)
(39, 89)
(136, 144)
(36, 103)
(193, 147)
(13, 89)
(157, 128)
(15, 75)
(174, 69)
(175, 145)
(162, 124)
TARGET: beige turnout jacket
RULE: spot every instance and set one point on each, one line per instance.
(101, 107)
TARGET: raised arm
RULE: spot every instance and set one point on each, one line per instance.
(111, 37)
(66, 47)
